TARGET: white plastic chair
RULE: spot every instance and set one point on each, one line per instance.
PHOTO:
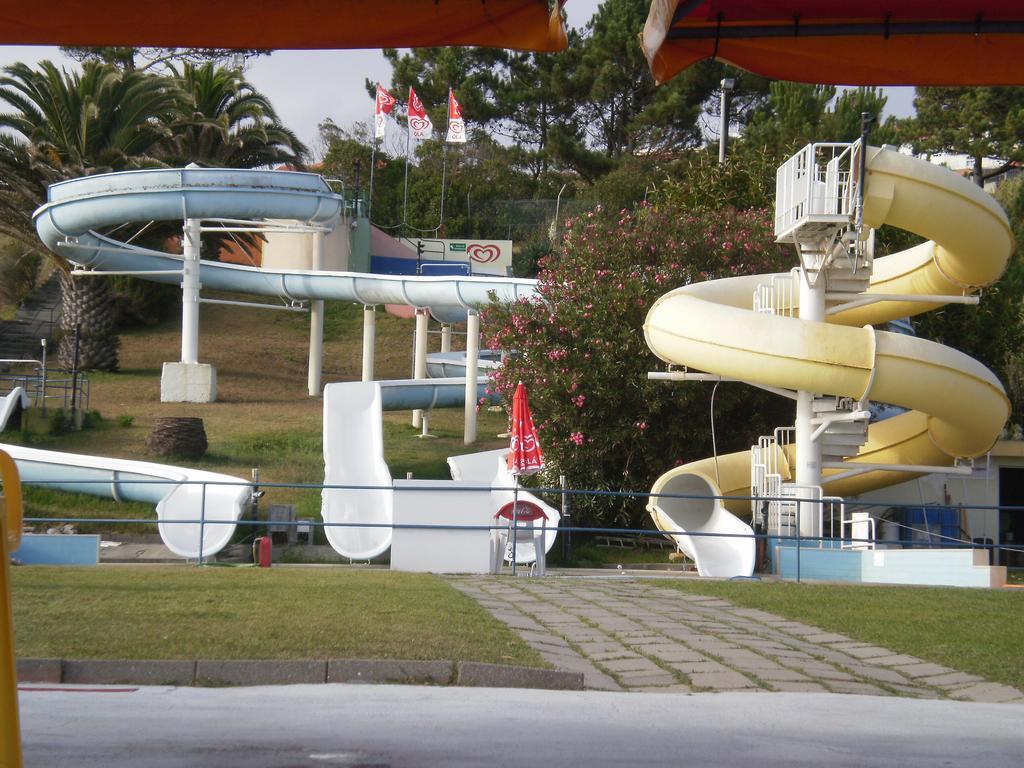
(523, 525)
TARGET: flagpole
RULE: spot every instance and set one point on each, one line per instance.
(444, 162)
(373, 164)
(515, 519)
(405, 200)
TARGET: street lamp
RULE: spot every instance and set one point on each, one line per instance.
(728, 83)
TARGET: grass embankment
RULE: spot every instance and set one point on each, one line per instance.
(263, 416)
(154, 612)
(972, 630)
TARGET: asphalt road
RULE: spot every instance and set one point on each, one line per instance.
(375, 726)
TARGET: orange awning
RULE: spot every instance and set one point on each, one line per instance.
(296, 24)
(843, 42)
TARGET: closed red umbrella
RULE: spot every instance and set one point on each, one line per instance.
(524, 456)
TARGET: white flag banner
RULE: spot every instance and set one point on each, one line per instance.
(420, 126)
(456, 125)
(385, 103)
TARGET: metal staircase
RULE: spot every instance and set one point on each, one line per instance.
(818, 211)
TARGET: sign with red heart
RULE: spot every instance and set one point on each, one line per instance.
(483, 254)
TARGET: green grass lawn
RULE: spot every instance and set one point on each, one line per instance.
(156, 612)
(972, 630)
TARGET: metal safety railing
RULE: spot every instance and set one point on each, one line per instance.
(818, 184)
(845, 530)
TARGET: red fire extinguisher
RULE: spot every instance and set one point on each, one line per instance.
(265, 551)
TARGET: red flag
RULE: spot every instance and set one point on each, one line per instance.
(385, 103)
(420, 126)
(456, 125)
(524, 456)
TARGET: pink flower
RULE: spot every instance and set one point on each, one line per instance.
(577, 438)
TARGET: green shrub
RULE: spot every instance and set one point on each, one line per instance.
(581, 351)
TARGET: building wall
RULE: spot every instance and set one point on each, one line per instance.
(295, 251)
(979, 489)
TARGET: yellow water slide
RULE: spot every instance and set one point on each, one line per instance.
(957, 406)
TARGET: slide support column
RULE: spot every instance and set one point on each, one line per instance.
(369, 340)
(420, 364)
(316, 323)
(472, 360)
(808, 452)
(189, 381)
(190, 286)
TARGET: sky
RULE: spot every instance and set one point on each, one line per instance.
(306, 87)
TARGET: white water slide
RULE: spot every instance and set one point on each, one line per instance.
(71, 224)
(359, 510)
(197, 510)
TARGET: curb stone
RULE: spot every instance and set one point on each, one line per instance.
(390, 671)
(475, 673)
(240, 672)
(108, 672)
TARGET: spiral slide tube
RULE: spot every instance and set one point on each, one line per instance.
(67, 225)
(958, 406)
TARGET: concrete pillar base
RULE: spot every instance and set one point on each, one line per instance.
(188, 383)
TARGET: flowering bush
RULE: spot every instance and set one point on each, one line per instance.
(579, 348)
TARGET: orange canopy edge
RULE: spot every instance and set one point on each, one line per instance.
(868, 42)
(285, 24)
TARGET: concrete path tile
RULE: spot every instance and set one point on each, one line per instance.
(827, 637)
(668, 652)
(797, 687)
(673, 688)
(825, 673)
(881, 674)
(633, 680)
(896, 660)
(951, 680)
(624, 654)
(993, 693)
(925, 669)
(606, 646)
(780, 675)
(698, 667)
(862, 651)
(546, 638)
(862, 689)
(914, 692)
(599, 681)
(727, 680)
(639, 664)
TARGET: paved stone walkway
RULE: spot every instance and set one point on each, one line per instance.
(628, 634)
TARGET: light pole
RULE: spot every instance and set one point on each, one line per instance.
(728, 83)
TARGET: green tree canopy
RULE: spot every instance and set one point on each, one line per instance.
(978, 122)
(224, 121)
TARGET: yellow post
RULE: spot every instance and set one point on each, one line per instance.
(10, 539)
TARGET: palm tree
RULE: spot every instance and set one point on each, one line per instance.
(225, 122)
(64, 125)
